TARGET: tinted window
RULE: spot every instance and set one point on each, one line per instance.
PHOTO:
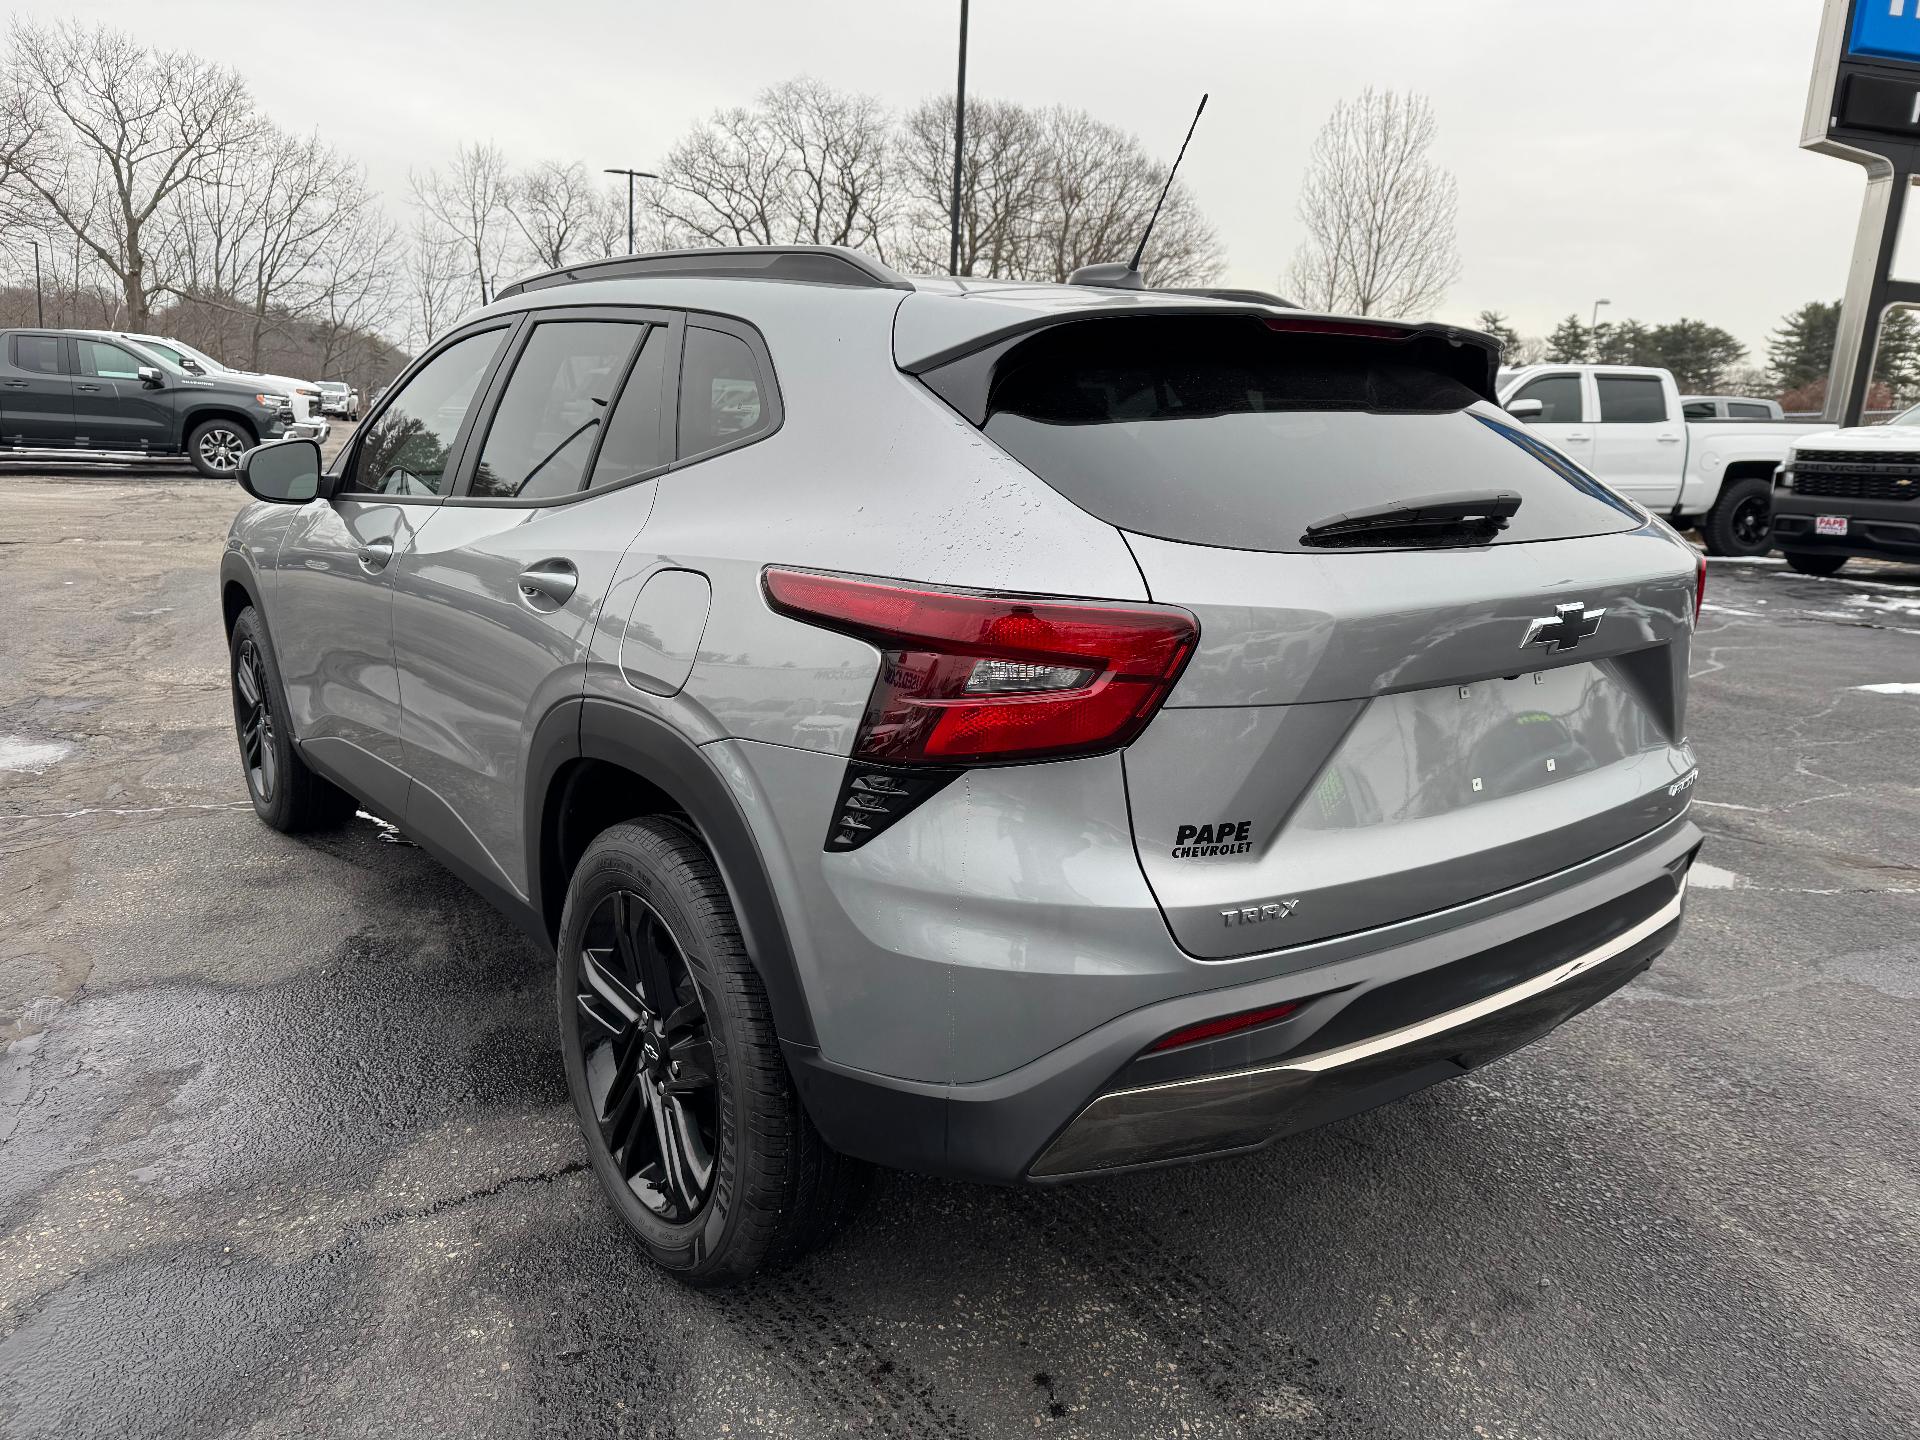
(1632, 400)
(38, 353)
(722, 396)
(106, 362)
(1748, 410)
(407, 449)
(1223, 433)
(549, 418)
(633, 438)
(1559, 394)
(1699, 410)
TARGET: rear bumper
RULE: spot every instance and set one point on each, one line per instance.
(1889, 528)
(1368, 1030)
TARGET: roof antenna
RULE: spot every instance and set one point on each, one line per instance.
(1128, 277)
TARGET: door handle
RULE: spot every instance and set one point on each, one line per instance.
(555, 580)
(16, 384)
(1669, 439)
(1577, 439)
(90, 389)
(375, 554)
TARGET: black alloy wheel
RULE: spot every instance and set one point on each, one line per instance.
(253, 715)
(1749, 523)
(648, 1056)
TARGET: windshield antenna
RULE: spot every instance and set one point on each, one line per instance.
(1141, 249)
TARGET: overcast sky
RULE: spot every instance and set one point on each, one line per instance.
(1643, 151)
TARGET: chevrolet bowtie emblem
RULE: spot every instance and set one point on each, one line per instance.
(1565, 628)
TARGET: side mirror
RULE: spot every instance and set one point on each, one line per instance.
(1527, 409)
(149, 376)
(286, 472)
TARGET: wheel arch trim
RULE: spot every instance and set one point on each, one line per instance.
(593, 728)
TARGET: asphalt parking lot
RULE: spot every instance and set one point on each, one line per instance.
(285, 1146)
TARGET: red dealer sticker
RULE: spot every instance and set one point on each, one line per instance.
(1829, 524)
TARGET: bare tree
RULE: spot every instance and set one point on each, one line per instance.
(438, 284)
(555, 207)
(805, 165)
(469, 203)
(1000, 187)
(1379, 213)
(132, 127)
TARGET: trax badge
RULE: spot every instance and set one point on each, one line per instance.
(1257, 914)
(1565, 628)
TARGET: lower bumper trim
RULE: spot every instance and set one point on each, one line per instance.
(1242, 1109)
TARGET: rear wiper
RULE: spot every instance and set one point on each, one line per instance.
(1466, 518)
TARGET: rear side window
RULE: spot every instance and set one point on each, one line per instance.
(1631, 400)
(723, 396)
(38, 353)
(1221, 432)
(1748, 410)
(1559, 397)
(632, 446)
(548, 421)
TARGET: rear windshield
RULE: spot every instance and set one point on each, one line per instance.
(1223, 432)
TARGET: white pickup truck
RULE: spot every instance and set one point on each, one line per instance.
(1624, 424)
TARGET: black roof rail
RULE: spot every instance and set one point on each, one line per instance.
(1217, 292)
(810, 264)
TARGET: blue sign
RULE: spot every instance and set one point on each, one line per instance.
(1886, 30)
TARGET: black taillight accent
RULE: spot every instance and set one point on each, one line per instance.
(873, 797)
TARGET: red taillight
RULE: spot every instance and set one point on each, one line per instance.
(1225, 1025)
(1699, 585)
(1360, 329)
(966, 675)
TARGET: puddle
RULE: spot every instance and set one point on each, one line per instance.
(1712, 877)
(30, 756)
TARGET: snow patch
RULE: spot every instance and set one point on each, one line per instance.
(1712, 877)
(30, 756)
(1897, 687)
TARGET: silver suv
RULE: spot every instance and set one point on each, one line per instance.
(1011, 732)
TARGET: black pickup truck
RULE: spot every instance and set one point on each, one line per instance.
(85, 393)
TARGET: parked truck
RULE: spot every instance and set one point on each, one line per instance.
(1624, 424)
(1847, 493)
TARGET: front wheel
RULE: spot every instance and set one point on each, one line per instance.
(215, 447)
(285, 793)
(1740, 519)
(690, 1118)
(1813, 562)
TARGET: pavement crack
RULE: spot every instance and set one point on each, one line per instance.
(455, 1202)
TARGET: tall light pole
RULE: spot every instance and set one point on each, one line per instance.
(959, 141)
(632, 175)
(1594, 323)
(39, 300)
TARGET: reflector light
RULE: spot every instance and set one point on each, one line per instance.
(1699, 586)
(1225, 1025)
(977, 676)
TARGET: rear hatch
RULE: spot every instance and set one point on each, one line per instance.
(1436, 659)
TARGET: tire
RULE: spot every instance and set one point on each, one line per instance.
(1815, 562)
(285, 793)
(1737, 524)
(215, 447)
(674, 1066)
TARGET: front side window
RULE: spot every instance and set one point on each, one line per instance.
(550, 416)
(1559, 396)
(37, 353)
(1632, 400)
(407, 450)
(723, 398)
(106, 362)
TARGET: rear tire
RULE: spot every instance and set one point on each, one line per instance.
(215, 447)
(689, 1115)
(1737, 524)
(285, 793)
(1813, 562)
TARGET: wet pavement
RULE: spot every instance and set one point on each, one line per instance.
(285, 1147)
